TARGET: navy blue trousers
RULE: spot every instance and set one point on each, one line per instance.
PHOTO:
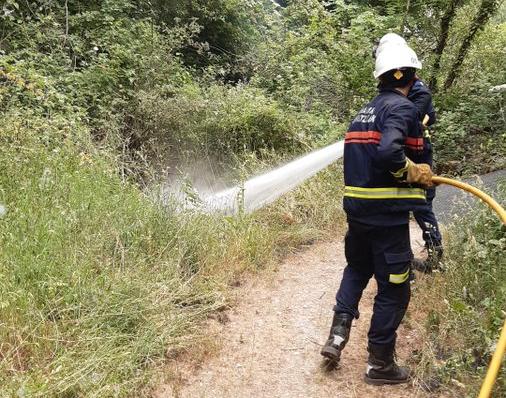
(427, 221)
(385, 253)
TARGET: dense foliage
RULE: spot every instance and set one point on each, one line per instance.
(305, 69)
(101, 98)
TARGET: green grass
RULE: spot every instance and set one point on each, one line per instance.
(98, 282)
(465, 305)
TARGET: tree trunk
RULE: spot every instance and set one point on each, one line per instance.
(405, 18)
(446, 22)
(486, 11)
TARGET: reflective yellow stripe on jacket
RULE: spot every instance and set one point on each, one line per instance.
(384, 193)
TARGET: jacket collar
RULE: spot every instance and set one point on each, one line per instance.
(390, 90)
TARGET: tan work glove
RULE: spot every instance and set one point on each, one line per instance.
(419, 173)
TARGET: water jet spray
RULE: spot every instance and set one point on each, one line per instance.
(266, 188)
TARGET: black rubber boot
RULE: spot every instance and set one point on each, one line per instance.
(420, 265)
(338, 336)
(381, 366)
(435, 253)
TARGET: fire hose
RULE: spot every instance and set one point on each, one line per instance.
(495, 363)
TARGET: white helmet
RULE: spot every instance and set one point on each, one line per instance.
(395, 56)
(391, 38)
(388, 40)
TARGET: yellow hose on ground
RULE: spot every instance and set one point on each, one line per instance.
(495, 363)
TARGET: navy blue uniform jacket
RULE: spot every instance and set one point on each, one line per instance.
(382, 135)
(421, 96)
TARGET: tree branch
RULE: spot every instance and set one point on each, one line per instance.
(486, 11)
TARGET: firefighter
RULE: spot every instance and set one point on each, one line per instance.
(421, 96)
(383, 183)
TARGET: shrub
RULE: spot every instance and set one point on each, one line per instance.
(219, 122)
(470, 138)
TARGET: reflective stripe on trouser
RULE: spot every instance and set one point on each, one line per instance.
(384, 193)
(384, 252)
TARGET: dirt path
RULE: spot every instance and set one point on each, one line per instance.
(270, 346)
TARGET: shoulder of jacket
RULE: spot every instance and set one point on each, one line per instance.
(420, 86)
(401, 106)
(401, 102)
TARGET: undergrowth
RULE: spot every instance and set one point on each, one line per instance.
(465, 305)
(98, 282)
